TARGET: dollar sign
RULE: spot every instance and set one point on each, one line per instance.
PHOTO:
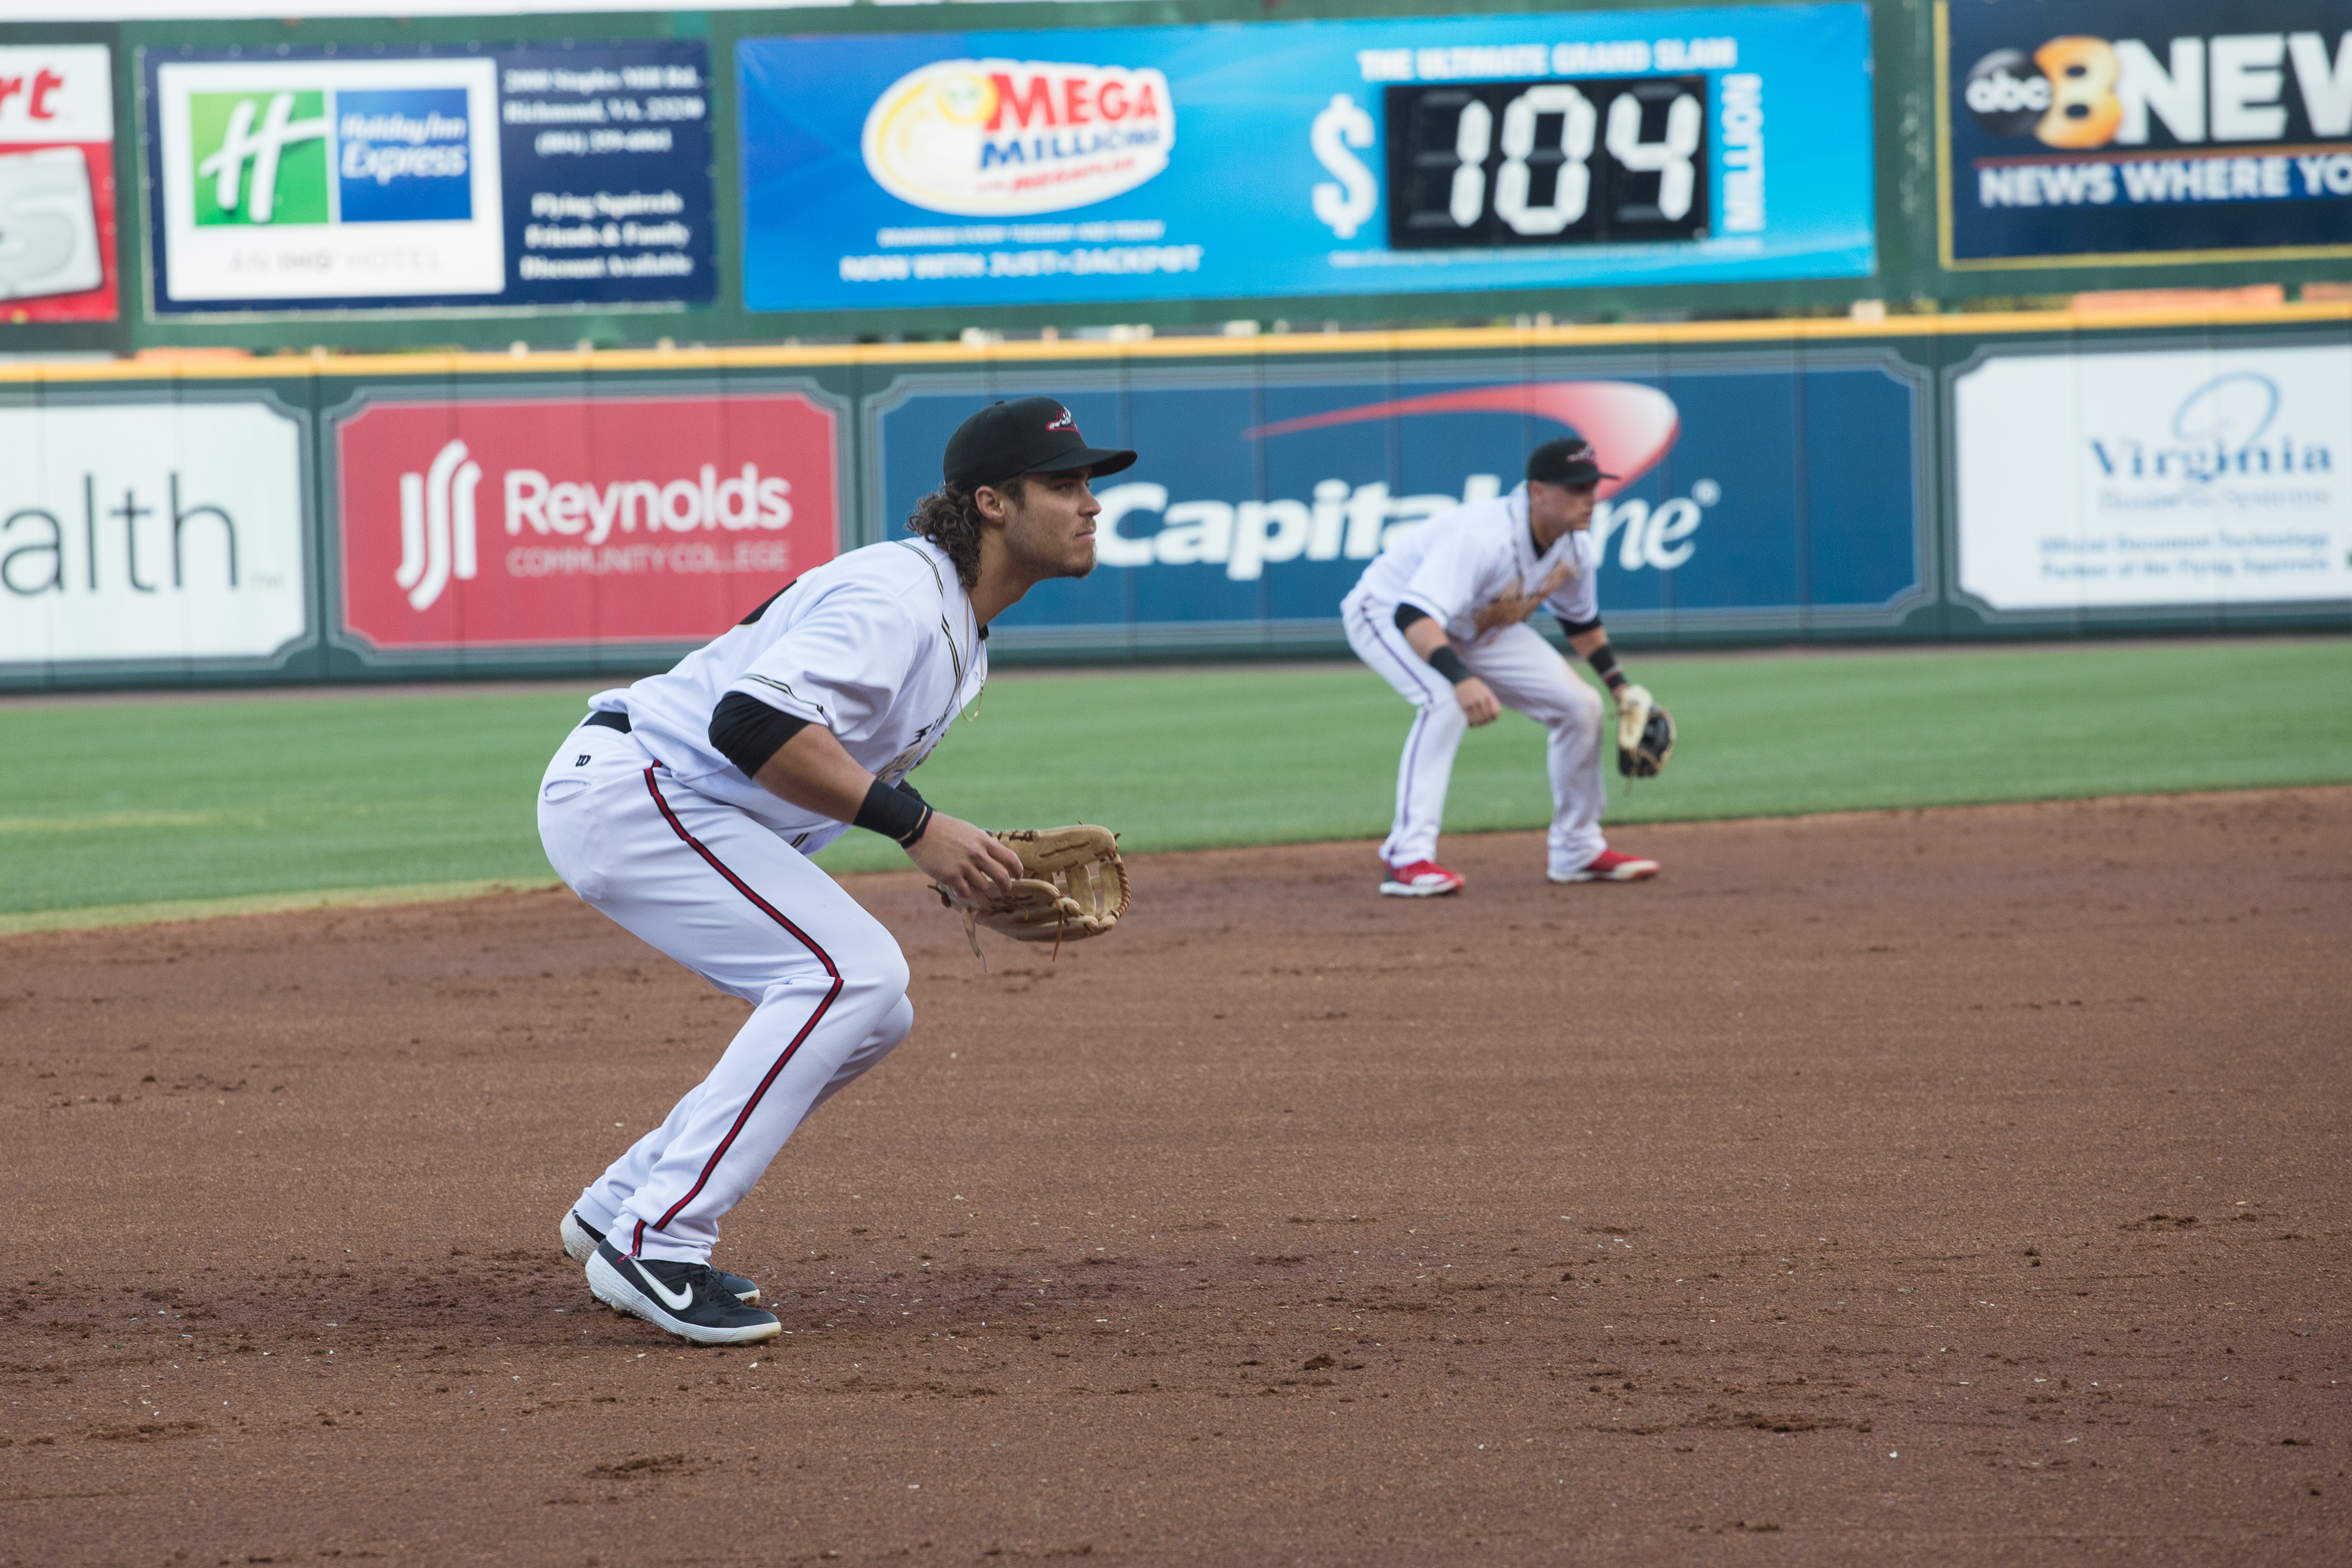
(1347, 205)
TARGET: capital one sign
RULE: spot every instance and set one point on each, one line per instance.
(517, 521)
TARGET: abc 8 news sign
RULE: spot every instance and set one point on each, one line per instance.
(2011, 96)
(2153, 131)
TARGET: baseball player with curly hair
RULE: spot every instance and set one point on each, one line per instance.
(1441, 615)
(685, 807)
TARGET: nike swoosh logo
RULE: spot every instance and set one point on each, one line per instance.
(677, 1304)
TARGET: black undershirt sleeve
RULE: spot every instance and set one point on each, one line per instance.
(747, 731)
(1445, 660)
(1576, 628)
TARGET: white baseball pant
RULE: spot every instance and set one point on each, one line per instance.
(1527, 676)
(726, 898)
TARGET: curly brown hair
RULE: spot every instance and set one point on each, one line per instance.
(949, 517)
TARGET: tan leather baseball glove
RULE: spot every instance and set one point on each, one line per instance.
(1073, 886)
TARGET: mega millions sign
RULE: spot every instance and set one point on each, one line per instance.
(2106, 131)
(1371, 156)
(515, 522)
(1008, 138)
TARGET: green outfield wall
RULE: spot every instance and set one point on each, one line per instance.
(355, 519)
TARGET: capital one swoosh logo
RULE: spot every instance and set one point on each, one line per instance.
(437, 526)
(1629, 425)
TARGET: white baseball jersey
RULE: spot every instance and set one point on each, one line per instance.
(1478, 556)
(663, 833)
(1481, 557)
(880, 646)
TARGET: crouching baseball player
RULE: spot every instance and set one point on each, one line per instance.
(1441, 616)
(686, 805)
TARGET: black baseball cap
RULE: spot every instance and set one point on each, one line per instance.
(1568, 460)
(1029, 436)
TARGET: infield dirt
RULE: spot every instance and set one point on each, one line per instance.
(1960, 1186)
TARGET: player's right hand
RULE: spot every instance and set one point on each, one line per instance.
(1478, 704)
(962, 859)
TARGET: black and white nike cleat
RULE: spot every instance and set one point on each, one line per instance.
(687, 1299)
(579, 1240)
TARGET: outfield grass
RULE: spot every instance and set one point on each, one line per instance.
(250, 803)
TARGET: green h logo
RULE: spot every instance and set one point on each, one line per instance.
(261, 158)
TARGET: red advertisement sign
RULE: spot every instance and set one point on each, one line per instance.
(57, 183)
(515, 521)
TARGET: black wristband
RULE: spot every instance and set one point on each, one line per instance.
(1603, 661)
(889, 812)
(1448, 662)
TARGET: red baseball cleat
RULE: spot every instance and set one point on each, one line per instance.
(1423, 879)
(1611, 866)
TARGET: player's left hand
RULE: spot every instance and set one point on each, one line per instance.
(962, 859)
(1072, 885)
(1645, 733)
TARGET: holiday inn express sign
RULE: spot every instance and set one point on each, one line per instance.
(499, 179)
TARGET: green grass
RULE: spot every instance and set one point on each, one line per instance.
(116, 804)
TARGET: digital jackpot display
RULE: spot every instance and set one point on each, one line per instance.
(1262, 160)
(1546, 162)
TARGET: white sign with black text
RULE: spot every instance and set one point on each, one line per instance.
(143, 530)
(2191, 476)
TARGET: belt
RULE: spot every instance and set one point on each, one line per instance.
(605, 720)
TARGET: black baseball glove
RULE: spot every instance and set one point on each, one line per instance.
(1646, 734)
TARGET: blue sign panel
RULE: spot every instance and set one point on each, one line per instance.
(402, 156)
(2145, 131)
(608, 153)
(1320, 158)
(1754, 495)
(496, 179)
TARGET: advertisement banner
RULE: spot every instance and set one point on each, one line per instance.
(501, 180)
(1316, 158)
(139, 529)
(1749, 494)
(2189, 476)
(2083, 131)
(569, 520)
(57, 183)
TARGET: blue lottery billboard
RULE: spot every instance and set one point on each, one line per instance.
(1750, 493)
(1264, 159)
(2104, 131)
(499, 179)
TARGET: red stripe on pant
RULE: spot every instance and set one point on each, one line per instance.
(653, 787)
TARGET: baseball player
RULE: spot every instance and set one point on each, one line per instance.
(686, 805)
(1441, 615)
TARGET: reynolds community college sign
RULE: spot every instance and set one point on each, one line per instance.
(517, 521)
